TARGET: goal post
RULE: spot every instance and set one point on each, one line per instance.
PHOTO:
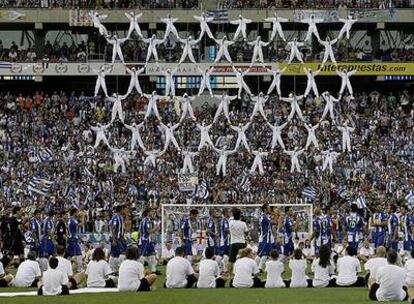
(173, 214)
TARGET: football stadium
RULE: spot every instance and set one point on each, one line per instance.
(206, 151)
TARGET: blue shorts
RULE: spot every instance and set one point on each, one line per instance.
(393, 245)
(146, 248)
(73, 248)
(378, 238)
(277, 247)
(47, 248)
(264, 249)
(117, 249)
(223, 250)
(188, 247)
(408, 245)
(288, 248)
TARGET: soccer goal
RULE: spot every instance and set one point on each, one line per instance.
(173, 214)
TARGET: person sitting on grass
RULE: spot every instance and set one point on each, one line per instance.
(28, 273)
(54, 282)
(348, 269)
(180, 273)
(390, 281)
(66, 267)
(209, 271)
(375, 263)
(323, 268)
(274, 269)
(131, 273)
(98, 271)
(298, 266)
(5, 279)
(245, 271)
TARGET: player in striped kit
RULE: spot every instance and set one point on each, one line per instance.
(35, 231)
(118, 245)
(47, 247)
(288, 228)
(393, 228)
(187, 233)
(353, 225)
(266, 237)
(407, 228)
(146, 244)
(223, 247)
(74, 249)
(322, 227)
(379, 224)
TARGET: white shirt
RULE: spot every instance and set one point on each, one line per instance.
(27, 272)
(243, 270)
(130, 274)
(65, 266)
(167, 254)
(366, 251)
(322, 275)
(178, 269)
(348, 267)
(52, 280)
(237, 231)
(274, 270)
(208, 271)
(1, 269)
(298, 268)
(409, 268)
(391, 281)
(374, 264)
(97, 272)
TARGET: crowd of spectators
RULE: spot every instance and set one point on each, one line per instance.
(379, 166)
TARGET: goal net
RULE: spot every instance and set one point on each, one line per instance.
(174, 214)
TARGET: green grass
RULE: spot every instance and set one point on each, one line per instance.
(199, 296)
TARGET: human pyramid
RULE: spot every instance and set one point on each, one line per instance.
(122, 156)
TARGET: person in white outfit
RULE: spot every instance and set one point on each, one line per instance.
(276, 26)
(209, 272)
(136, 136)
(345, 81)
(222, 161)
(100, 81)
(205, 81)
(311, 83)
(134, 82)
(312, 29)
(258, 161)
(188, 156)
(260, 101)
(294, 159)
(116, 47)
(152, 105)
(169, 135)
(346, 28)
(375, 263)
(277, 74)
(346, 136)
(188, 44)
(152, 156)
(294, 105)
(241, 23)
(153, 43)
(119, 159)
(323, 268)
(117, 106)
(204, 135)
(297, 265)
(277, 135)
(170, 27)
(257, 44)
(329, 107)
(329, 158)
(223, 45)
(97, 22)
(100, 134)
(186, 107)
(328, 53)
(311, 139)
(204, 28)
(294, 50)
(245, 271)
(223, 106)
(169, 81)
(274, 269)
(240, 81)
(133, 23)
(241, 135)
